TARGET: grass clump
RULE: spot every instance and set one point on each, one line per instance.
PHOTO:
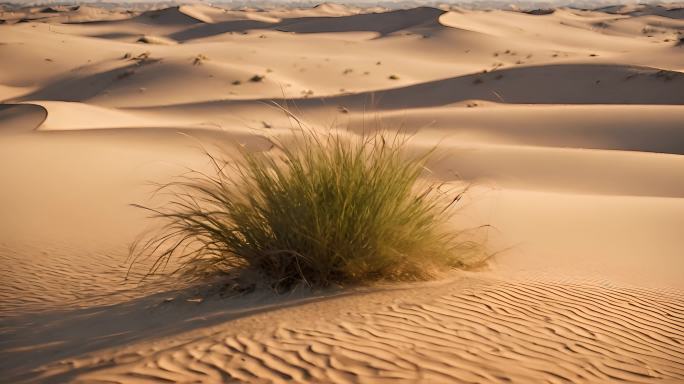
(256, 78)
(325, 209)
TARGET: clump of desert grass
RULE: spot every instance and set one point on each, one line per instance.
(322, 209)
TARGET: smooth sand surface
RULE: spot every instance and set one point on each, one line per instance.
(570, 127)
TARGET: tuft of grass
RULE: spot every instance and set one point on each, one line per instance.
(324, 209)
(199, 59)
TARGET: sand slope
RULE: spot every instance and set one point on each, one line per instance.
(568, 125)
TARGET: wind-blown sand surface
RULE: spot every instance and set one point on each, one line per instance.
(569, 125)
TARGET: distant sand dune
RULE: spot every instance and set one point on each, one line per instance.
(581, 84)
(174, 15)
(675, 12)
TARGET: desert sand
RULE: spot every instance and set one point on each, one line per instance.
(569, 125)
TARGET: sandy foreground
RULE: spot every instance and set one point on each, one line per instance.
(570, 126)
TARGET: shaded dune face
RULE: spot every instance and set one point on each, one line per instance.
(566, 123)
(22, 117)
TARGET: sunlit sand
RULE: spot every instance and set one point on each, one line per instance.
(567, 124)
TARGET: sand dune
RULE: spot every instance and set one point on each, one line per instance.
(568, 124)
(674, 11)
(603, 84)
(614, 127)
(381, 24)
(174, 16)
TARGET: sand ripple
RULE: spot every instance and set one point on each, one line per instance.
(530, 331)
(91, 275)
